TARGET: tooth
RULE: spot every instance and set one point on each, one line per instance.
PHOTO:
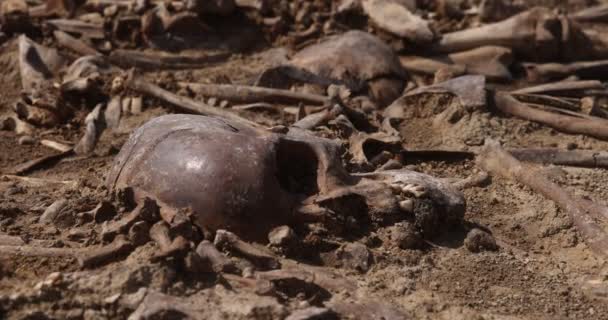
(417, 190)
(407, 205)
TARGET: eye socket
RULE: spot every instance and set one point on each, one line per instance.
(297, 167)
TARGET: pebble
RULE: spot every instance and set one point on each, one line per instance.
(478, 240)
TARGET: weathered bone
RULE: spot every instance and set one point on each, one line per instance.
(168, 247)
(597, 13)
(494, 159)
(73, 44)
(85, 29)
(396, 18)
(582, 69)
(528, 33)
(162, 60)
(249, 94)
(146, 210)
(218, 261)
(39, 162)
(490, 61)
(182, 102)
(345, 60)
(564, 88)
(230, 241)
(597, 128)
(95, 125)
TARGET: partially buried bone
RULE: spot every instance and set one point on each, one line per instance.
(230, 174)
(345, 59)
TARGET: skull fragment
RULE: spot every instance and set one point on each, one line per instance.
(235, 177)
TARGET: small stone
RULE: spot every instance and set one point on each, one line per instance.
(478, 240)
(355, 256)
(405, 236)
(26, 140)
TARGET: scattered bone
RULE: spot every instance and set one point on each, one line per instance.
(229, 241)
(548, 101)
(597, 13)
(86, 30)
(100, 255)
(563, 88)
(146, 210)
(95, 125)
(490, 61)
(160, 60)
(478, 240)
(341, 59)
(249, 94)
(218, 261)
(73, 44)
(582, 69)
(53, 211)
(497, 161)
(37, 64)
(396, 18)
(183, 102)
(137, 105)
(55, 145)
(592, 127)
(39, 162)
(113, 112)
(526, 33)
(38, 182)
(168, 248)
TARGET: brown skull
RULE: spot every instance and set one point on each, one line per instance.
(235, 177)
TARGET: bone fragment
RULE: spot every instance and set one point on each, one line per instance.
(85, 29)
(497, 161)
(582, 69)
(100, 255)
(218, 261)
(74, 44)
(55, 145)
(146, 210)
(591, 127)
(597, 13)
(95, 125)
(39, 162)
(160, 60)
(37, 182)
(53, 211)
(230, 241)
(563, 88)
(160, 234)
(183, 103)
(250, 94)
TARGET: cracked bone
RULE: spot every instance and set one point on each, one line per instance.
(214, 167)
